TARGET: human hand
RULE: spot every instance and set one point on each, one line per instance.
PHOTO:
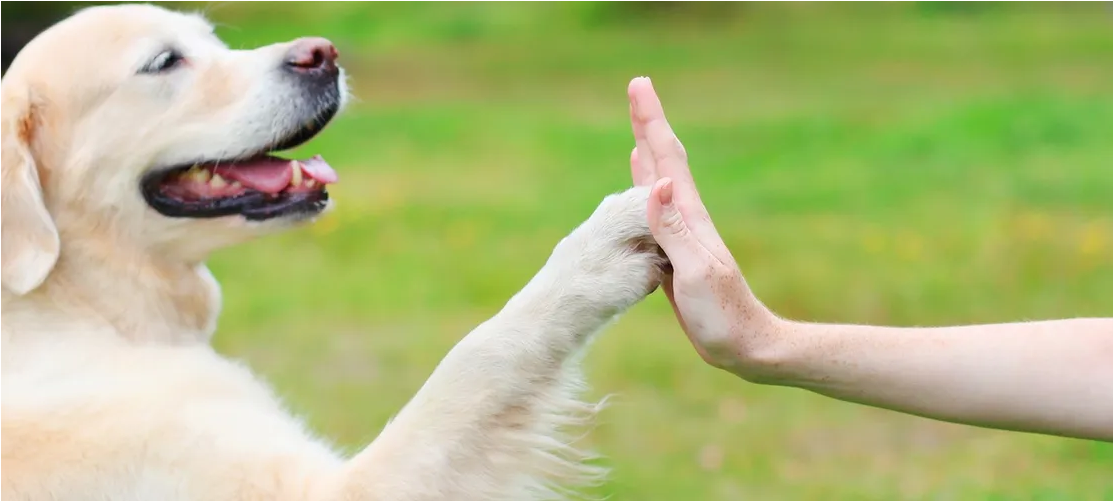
(1051, 376)
(726, 323)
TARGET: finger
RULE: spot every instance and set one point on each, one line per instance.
(671, 231)
(649, 120)
(639, 174)
(671, 296)
(644, 155)
(671, 162)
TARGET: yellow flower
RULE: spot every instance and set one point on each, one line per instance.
(873, 242)
(910, 246)
(1034, 225)
(1093, 239)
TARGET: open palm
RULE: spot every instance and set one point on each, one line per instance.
(707, 290)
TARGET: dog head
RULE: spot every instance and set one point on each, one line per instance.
(137, 125)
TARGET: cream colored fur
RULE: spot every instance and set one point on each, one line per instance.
(110, 387)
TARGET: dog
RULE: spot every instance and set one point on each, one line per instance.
(136, 143)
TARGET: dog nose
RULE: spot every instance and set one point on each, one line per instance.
(312, 55)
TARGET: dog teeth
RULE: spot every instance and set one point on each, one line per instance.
(296, 173)
(235, 185)
(309, 183)
(217, 181)
(197, 174)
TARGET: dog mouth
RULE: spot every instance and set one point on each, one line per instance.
(258, 187)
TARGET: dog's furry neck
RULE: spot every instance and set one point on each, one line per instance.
(157, 300)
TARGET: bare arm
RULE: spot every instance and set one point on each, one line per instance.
(1051, 377)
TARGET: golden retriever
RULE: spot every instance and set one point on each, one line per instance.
(135, 143)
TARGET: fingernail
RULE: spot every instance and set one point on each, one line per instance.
(666, 192)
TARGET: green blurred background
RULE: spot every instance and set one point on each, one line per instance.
(908, 164)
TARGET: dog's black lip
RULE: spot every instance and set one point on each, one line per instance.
(303, 203)
(253, 205)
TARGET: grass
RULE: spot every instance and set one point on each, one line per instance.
(910, 164)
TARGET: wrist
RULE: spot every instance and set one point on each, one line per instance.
(766, 348)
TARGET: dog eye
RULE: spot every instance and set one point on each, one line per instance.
(166, 60)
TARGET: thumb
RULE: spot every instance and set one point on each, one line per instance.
(669, 228)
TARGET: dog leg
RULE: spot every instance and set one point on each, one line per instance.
(488, 424)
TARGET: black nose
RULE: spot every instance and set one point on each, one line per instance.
(312, 56)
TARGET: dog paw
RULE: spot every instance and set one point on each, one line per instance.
(612, 257)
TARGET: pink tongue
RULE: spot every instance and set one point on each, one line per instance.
(272, 175)
(269, 175)
(319, 170)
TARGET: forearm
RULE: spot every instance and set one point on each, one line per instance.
(494, 419)
(505, 382)
(1051, 377)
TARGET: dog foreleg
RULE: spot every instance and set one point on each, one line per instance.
(489, 423)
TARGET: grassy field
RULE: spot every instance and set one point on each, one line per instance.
(905, 164)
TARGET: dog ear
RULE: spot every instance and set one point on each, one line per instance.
(30, 240)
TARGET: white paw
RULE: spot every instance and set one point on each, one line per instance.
(612, 257)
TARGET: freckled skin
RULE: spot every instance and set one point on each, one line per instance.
(1051, 377)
